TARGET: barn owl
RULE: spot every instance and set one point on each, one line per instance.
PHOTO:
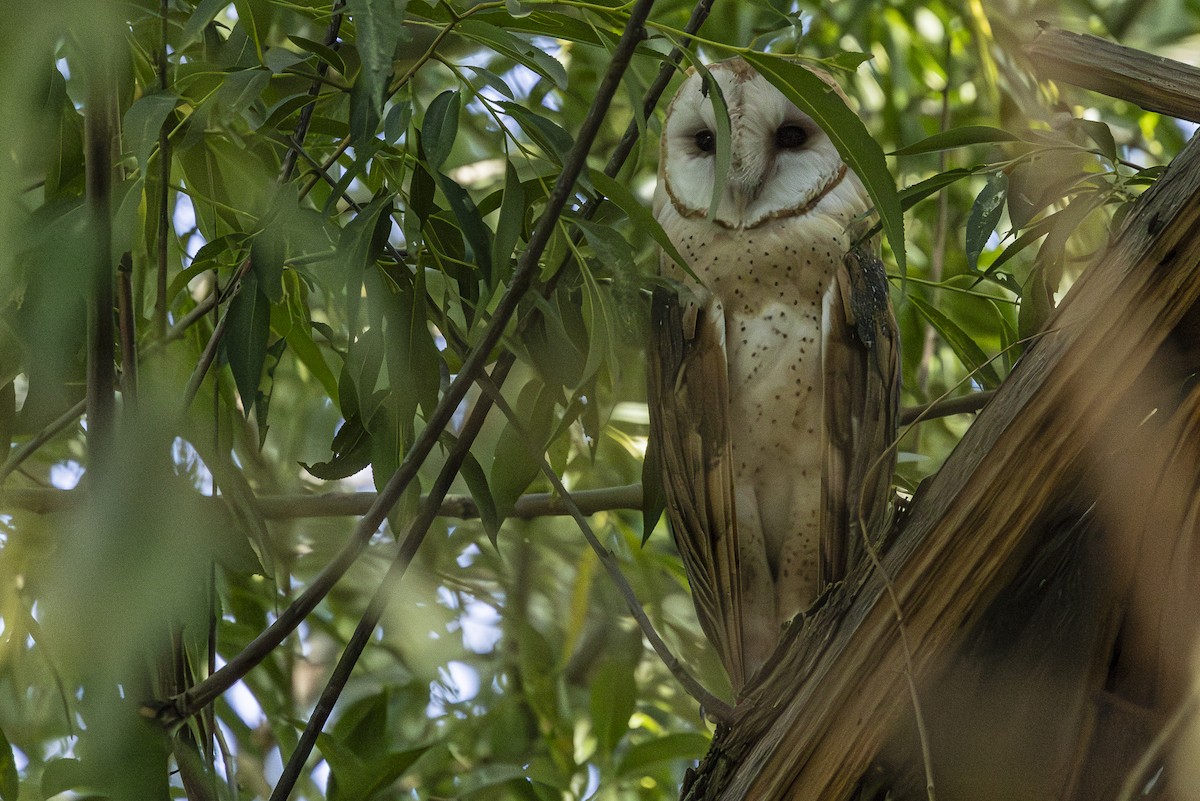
(773, 383)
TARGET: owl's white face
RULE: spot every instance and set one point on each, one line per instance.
(781, 162)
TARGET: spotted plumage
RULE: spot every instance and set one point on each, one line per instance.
(767, 408)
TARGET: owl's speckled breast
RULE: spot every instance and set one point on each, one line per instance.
(773, 282)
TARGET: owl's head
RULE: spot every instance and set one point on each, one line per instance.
(781, 162)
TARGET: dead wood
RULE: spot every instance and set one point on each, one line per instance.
(1155, 83)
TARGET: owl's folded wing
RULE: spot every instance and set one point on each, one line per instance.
(688, 396)
(862, 397)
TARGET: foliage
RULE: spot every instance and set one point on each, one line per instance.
(358, 206)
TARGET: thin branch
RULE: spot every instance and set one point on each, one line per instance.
(128, 331)
(46, 500)
(101, 402)
(966, 404)
(713, 706)
(204, 693)
(210, 350)
(331, 37)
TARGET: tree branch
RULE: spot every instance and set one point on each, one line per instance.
(1152, 82)
(98, 132)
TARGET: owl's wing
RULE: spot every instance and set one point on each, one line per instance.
(688, 396)
(862, 405)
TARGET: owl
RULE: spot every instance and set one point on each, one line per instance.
(773, 382)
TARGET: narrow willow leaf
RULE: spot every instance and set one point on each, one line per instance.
(245, 341)
(553, 140)
(847, 132)
(624, 199)
(518, 453)
(492, 80)
(508, 226)
(912, 195)
(969, 353)
(143, 122)
(481, 493)
(362, 239)
(256, 16)
(724, 136)
(10, 784)
(351, 452)
(956, 138)
(613, 697)
(519, 50)
(685, 746)
(205, 11)
(439, 129)
(984, 217)
(326, 54)
(380, 27)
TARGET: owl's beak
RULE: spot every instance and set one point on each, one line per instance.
(744, 186)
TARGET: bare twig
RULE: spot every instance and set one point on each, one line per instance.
(944, 408)
(47, 500)
(331, 36)
(128, 330)
(210, 350)
(98, 124)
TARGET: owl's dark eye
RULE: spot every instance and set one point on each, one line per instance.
(705, 141)
(790, 137)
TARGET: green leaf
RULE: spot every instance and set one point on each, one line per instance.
(519, 50)
(969, 353)
(475, 232)
(509, 224)
(439, 128)
(351, 452)
(519, 451)
(362, 240)
(724, 137)
(677, 747)
(847, 132)
(985, 215)
(492, 80)
(395, 123)
(481, 493)
(245, 341)
(612, 702)
(205, 11)
(10, 784)
(61, 775)
(955, 138)
(240, 89)
(1102, 135)
(326, 54)
(256, 16)
(143, 122)
(380, 27)
(639, 215)
(654, 499)
(548, 135)
(912, 195)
